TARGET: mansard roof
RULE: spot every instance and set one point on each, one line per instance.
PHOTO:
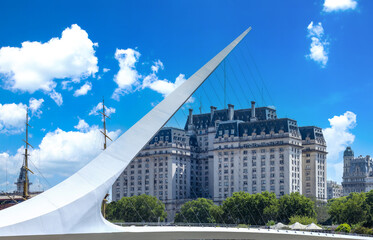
(204, 120)
(312, 132)
(267, 126)
(170, 133)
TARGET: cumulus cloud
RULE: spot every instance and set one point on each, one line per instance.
(162, 86)
(57, 97)
(157, 65)
(105, 70)
(129, 80)
(127, 77)
(338, 135)
(95, 110)
(339, 5)
(12, 116)
(82, 126)
(83, 90)
(35, 66)
(60, 153)
(318, 48)
(35, 105)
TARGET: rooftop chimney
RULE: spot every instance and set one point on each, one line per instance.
(212, 112)
(253, 117)
(230, 112)
(190, 116)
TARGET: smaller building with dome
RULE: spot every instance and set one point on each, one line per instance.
(357, 173)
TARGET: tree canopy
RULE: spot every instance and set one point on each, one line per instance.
(200, 210)
(352, 209)
(142, 208)
(295, 204)
(245, 208)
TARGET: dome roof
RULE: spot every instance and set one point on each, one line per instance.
(348, 152)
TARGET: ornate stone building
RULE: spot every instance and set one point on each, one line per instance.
(357, 173)
(225, 151)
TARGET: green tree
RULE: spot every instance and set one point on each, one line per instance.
(335, 209)
(252, 209)
(355, 208)
(321, 209)
(217, 213)
(295, 204)
(352, 209)
(200, 210)
(369, 206)
(236, 209)
(142, 208)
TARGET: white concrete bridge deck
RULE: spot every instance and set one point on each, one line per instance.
(177, 232)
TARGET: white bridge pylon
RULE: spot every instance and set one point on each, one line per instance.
(73, 206)
(72, 209)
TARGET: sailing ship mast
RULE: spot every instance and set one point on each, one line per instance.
(25, 163)
(104, 116)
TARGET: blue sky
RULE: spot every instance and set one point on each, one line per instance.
(112, 46)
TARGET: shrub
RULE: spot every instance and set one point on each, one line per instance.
(242, 226)
(302, 220)
(363, 230)
(343, 228)
(270, 223)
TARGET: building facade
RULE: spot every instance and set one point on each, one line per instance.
(357, 173)
(226, 151)
(313, 163)
(334, 190)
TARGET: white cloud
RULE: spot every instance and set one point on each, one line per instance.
(83, 90)
(35, 105)
(105, 70)
(339, 5)
(157, 65)
(127, 77)
(82, 126)
(338, 135)
(57, 97)
(318, 48)
(129, 80)
(35, 65)
(12, 118)
(162, 86)
(60, 153)
(98, 107)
